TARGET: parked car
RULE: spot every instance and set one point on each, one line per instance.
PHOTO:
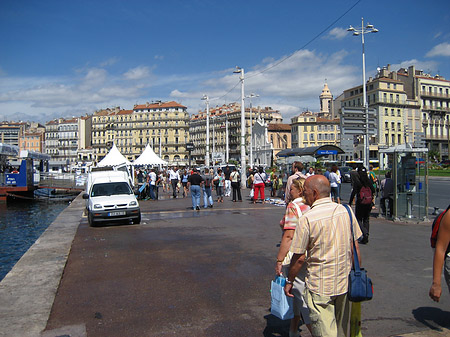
(345, 173)
(110, 198)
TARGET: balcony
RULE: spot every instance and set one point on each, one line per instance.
(434, 94)
(435, 108)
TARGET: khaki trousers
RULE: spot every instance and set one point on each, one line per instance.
(329, 315)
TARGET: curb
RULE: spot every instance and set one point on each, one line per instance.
(27, 292)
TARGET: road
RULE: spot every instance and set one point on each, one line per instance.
(438, 189)
(208, 273)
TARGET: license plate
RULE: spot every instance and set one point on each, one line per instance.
(116, 213)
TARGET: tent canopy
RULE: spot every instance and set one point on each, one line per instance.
(149, 157)
(113, 158)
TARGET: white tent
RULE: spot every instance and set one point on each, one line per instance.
(149, 157)
(114, 158)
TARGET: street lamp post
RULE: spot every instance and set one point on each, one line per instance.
(251, 127)
(206, 98)
(243, 173)
(361, 31)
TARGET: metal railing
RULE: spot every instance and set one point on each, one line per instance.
(71, 181)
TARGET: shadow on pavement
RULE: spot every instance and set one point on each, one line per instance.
(276, 327)
(434, 318)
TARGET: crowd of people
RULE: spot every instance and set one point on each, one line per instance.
(315, 254)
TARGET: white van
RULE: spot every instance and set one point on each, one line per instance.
(109, 197)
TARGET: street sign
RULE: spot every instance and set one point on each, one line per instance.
(327, 152)
(189, 146)
(353, 122)
(419, 139)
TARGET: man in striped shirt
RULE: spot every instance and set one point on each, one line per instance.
(323, 235)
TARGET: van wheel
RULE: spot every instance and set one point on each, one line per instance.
(137, 220)
(91, 220)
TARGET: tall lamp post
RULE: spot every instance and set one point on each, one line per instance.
(251, 127)
(206, 98)
(243, 173)
(361, 31)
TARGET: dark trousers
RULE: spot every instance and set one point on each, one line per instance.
(383, 205)
(174, 183)
(236, 191)
(362, 213)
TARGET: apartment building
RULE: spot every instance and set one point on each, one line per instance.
(11, 132)
(430, 120)
(64, 137)
(225, 130)
(308, 129)
(163, 125)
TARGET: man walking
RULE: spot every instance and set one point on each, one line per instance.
(297, 168)
(195, 180)
(227, 173)
(174, 178)
(323, 239)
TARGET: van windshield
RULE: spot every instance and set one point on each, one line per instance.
(105, 189)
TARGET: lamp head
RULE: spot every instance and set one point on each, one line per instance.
(350, 29)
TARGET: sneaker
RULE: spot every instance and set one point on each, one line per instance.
(197, 208)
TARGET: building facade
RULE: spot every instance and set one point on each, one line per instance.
(64, 137)
(279, 136)
(429, 123)
(310, 130)
(163, 125)
(11, 132)
(225, 131)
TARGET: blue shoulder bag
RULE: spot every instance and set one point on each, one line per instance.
(360, 286)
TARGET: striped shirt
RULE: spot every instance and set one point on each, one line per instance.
(324, 233)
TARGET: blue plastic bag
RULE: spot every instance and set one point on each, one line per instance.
(282, 306)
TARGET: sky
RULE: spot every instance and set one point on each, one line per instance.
(61, 58)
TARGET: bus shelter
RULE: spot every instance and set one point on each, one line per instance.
(410, 175)
(307, 154)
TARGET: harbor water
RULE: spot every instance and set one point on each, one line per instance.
(21, 224)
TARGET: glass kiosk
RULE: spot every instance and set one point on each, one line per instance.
(410, 175)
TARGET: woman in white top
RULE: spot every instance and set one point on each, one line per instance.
(259, 184)
(335, 180)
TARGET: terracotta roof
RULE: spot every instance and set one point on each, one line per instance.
(171, 104)
(326, 120)
(279, 127)
(433, 78)
(125, 112)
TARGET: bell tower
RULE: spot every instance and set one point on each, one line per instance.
(326, 99)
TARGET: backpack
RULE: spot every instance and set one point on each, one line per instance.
(365, 195)
(435, 229)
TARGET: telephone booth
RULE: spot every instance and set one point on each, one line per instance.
(410, 174)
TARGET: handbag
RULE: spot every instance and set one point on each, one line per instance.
(360, 286)
(282, 306)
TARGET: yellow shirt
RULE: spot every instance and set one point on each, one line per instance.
(324, 233)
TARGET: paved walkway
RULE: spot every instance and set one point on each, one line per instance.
(180, 272)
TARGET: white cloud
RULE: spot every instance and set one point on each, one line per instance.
(442, 49)
(137, 73)
(290, 86)
(426, 66)
(337, 33)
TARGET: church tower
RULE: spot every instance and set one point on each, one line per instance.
(326, 99)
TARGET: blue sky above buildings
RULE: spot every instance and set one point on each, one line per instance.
(69, 58)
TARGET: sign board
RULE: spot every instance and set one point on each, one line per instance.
(419, 139)
(218, 157)
(189, 146)
(326, 152)
(353, 122)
